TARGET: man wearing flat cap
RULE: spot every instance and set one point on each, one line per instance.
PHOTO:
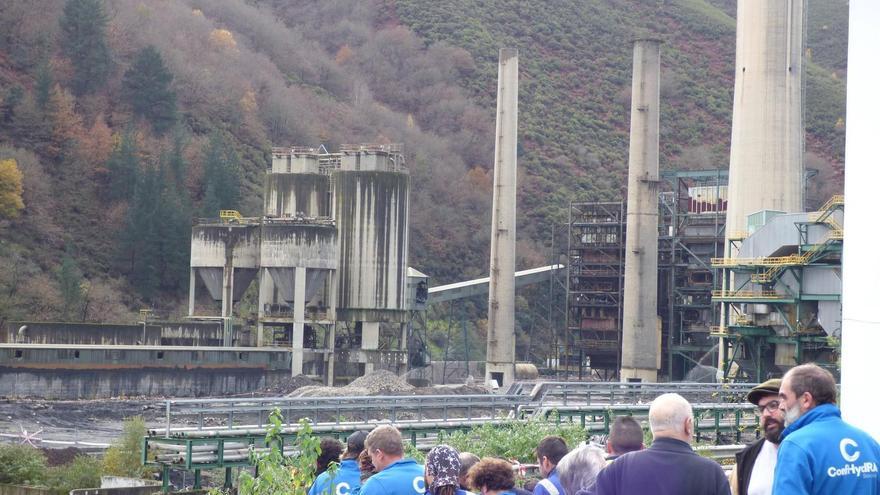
(753, 473)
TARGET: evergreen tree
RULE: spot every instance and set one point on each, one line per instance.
(70, 281)
(175, 210)
(123, 167)
(155, 241)
(43, 86)
(176, 161)
(83, 28)
(222, 179)
(140, 237)
(147, 86)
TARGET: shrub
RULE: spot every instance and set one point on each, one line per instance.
(21, 465)
(83, 472)
(123, 458)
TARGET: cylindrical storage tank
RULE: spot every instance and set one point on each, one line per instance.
(215, 245)
(372, 217)
(301, 194)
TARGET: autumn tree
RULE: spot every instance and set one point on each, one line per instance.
(83, 28)
(10, 189)
(147, 88)
(65, 126)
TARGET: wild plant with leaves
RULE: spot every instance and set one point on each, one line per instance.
(278, 473)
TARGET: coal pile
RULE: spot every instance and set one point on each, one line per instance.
(380, 382)
(288, 385)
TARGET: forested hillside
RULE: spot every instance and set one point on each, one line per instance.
(121, 120)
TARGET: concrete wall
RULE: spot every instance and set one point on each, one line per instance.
(83, 372)
(190, 333)
(25, 490)
(64, 384)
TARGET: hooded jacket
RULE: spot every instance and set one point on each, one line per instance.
(822, 455)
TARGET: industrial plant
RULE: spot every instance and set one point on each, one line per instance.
(698, 275)
(711, 274)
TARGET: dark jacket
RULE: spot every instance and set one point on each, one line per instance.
(668, 467)
(745, 461)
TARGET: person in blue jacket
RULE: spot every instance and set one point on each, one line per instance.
(820, 454)
(550, 451)
(442, 466)
(347, 479)
(394, 474)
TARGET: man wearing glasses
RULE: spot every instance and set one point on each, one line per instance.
(753, 473)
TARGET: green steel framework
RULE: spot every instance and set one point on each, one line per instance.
(748, 345)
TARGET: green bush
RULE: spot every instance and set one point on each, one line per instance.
(514, 439)
(21, 465)
(83, 472)
(123, 458)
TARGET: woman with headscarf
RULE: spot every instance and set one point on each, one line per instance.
(442, 466)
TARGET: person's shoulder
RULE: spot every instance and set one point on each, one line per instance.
(373, 485)
(321, 484)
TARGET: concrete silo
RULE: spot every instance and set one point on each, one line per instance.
(225, 256)
(371, 209)
(295, 187)
(297, 282)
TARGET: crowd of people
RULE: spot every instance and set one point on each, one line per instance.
(806, 448)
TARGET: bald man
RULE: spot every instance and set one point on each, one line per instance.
(669, 466)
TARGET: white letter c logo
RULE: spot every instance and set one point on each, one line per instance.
(849, 442)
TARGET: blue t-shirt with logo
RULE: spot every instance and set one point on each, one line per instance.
(822, 455)
(345, 481)
(404, 477)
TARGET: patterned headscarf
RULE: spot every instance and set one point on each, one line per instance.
(443, 464)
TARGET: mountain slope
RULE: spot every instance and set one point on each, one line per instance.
(259, 73)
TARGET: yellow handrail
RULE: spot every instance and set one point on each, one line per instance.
(230, 215)
(745, 294)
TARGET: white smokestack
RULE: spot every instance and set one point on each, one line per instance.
(640, 351)
(500, 341)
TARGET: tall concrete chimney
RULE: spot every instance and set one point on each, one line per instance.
(767, 143)
(766, 148)
(640, 354)
(500, 341)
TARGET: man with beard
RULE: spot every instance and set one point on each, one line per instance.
(753, 473)
(820, 454)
